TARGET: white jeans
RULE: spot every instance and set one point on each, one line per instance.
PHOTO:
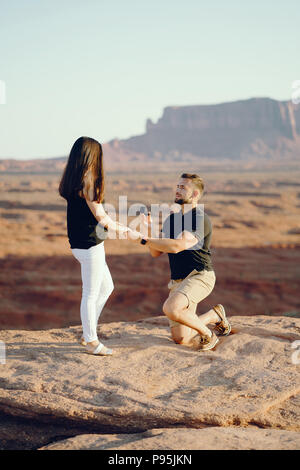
(97, 285)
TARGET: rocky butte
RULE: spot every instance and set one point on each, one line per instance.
(242, 129)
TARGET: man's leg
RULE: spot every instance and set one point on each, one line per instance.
(210, 317)
(176, 308)
(181, 307)
(182, 334)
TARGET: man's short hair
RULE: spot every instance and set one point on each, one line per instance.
(197, 181)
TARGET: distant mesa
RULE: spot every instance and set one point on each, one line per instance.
(246, 130)
(237, 130)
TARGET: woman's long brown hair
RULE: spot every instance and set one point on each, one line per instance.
(83, 174)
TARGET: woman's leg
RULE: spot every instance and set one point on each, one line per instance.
(92, 268)
(107, 286)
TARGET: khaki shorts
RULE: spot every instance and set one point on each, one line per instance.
(196, 286)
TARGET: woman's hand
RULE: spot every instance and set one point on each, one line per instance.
(134, 236)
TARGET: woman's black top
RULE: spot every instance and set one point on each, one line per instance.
(83, 228)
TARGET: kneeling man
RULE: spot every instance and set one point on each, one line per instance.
(192, 274)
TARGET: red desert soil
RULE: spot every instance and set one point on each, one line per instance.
(45, 292)
(255, 248)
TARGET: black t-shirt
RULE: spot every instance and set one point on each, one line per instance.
(199, 256)
(83, 228)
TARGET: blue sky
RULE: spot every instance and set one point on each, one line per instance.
(101, 68)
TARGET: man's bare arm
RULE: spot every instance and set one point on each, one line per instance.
(155, 253)
(158, 246)
(169, 245)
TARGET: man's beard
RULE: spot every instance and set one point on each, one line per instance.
(182, 201)
(179, 201)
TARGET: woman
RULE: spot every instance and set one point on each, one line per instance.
(82, 185)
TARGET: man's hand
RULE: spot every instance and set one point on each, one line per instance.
(146, 221)
(145, 224)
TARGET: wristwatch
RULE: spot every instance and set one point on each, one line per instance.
(143, 241)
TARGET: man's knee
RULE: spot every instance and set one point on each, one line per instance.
(171, 310)
(175, 305)
(166, 307)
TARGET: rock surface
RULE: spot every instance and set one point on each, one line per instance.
(211, 438)
(27, 434)
(150, 382)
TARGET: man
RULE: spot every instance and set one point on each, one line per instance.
(192, 274)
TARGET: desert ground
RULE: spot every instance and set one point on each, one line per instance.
(255, 245)
(52, 396)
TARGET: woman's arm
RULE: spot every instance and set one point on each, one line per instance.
(104, 219)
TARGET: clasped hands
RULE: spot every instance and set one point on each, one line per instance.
(137, 236)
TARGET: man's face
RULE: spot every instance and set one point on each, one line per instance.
(184, 191)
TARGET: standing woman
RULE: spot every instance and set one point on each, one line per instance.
(82, 185)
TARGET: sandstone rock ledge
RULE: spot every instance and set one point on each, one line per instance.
(246, 391)
(210, 438)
